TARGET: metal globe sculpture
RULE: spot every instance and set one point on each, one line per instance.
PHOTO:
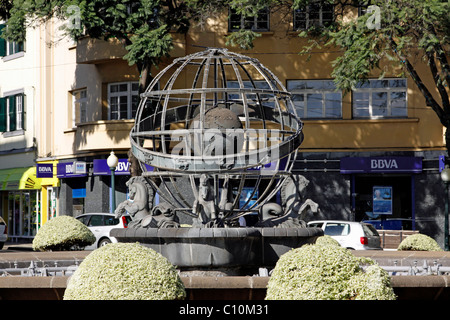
(224, 122)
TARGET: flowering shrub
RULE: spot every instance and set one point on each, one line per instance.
(62, 233)
(327, 240)
(419, 242)
(125, 271)
(327, 272)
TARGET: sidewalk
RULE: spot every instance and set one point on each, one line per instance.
(18, 246)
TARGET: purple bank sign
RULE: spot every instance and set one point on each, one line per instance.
(381, 165)
(123, 167)
(44, 170)
(101, 167)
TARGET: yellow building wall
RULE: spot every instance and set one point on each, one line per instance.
(279, 51)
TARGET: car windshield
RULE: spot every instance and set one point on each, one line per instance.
(370, 230)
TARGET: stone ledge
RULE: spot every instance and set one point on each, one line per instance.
(226, 282)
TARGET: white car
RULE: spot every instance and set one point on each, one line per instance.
(3, 233)
(350, 234)
(101, 224)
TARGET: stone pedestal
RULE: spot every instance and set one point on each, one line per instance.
(220, 247)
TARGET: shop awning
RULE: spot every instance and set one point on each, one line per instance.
(19, 179)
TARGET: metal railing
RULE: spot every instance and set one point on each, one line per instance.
(34, 271)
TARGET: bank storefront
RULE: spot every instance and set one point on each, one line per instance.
(383, 189)
(21, 202)
(86, 185)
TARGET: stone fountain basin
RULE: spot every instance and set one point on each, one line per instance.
(220, 247)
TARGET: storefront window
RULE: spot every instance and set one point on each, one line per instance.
(22, 213)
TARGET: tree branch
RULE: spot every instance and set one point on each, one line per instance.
(441, 56)
(438, 82)
(423, 89)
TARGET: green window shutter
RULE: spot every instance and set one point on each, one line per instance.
(2, 42)
(3, 114)
(24, 118)
(12, 113)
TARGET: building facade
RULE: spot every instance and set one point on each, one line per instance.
(379, 139)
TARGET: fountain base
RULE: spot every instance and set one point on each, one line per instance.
(220, 247)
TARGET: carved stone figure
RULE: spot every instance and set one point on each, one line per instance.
(162, 216)
(292, 211)
(139, 203)
(204, 205)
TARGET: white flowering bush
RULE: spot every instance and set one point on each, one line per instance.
(327, 240)
(125, 271)
(372, 284)
(62, 233)
(327, 272)
(419, 242)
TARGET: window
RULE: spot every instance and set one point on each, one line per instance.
(22, 213)
(362, 7)
(314, 15)
(260, 22)
(380, 99)
(79, 107)
(315, 99)
(267, 99)
(10, 48)
(123, 100)
(12, 113)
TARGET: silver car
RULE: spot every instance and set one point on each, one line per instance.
(3, 233)
(350, 234)
(101, 224)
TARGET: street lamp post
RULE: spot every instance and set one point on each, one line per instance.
(445, 176)
(113, 161)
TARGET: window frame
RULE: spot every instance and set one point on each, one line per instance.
(307, 11)
(129, 93)
(10, 50)
(245, 20)
(78, 104)
(14, 121)
(308, 91)
(389, 90)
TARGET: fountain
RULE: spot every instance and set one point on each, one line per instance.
(215, 138)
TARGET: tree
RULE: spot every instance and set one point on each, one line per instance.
(144, 27)
(400, 31)
(404, 32)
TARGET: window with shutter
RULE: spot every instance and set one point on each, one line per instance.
(2, 42)
(3, 115)
(12, 113)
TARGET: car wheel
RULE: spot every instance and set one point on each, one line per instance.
(104, 242)
(1, 245)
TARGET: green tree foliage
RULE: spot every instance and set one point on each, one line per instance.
(142, 26)
(404, 33)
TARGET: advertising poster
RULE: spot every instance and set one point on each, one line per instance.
(382, 200)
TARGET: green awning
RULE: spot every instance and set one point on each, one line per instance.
(19, 179)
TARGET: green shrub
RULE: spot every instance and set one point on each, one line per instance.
(125, 271)
(419, 242)
(327, 240)
(62, 233)
(326, 272)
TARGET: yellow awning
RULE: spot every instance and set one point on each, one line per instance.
(19, 179)
(50, 182)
